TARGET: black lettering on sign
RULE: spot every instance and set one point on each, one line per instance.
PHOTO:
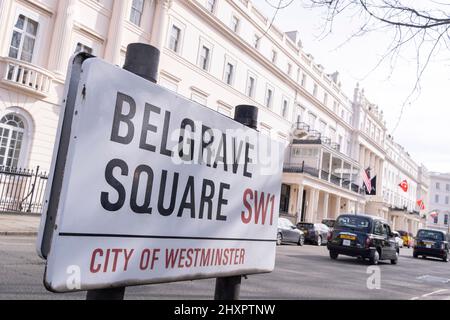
(173, 196)
(146, 126)
(207, 198)
(113, 182)
(145, 207)
(120, 117)
(190, 156)
(222, 201)
(164, 151)
(248, 160)
(189, 190)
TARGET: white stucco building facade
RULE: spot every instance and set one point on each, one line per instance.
(217, 53)
(439, 201)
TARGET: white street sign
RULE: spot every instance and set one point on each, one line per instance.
(157, 188)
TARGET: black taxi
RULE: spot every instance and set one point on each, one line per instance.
(363, 236)
(431, 243)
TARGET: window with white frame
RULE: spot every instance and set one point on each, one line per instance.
(325, 98)
(274, 56)
(303, 83)
(256, 40)
(12, 130)
(315, 89)
(235, 23)
(285, 108)
(204, 55)
(175, 38)
(229, 71)
(23, 38)
(269, 96)
(83, 48)
(436, 198)
(300, 113)
(251, 85)
(137, 9)
(312, 121)
(211, 5)
(289, 69)
(322, 127)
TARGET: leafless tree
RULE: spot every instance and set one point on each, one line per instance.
(423, 24)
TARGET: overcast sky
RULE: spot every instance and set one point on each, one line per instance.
(424, 129)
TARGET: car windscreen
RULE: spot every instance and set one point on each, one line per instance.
(305, 226)
(430, 235)
(353, 222)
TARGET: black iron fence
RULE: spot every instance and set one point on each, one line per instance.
(22, 190)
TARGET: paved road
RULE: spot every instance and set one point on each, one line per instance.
(301, 273)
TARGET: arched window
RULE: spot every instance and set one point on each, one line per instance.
(12, 129)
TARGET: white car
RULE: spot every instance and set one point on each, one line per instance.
(398, 239)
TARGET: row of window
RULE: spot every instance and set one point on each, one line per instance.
(437, 199)
(438, 186)
(234, 25)
(229, 72)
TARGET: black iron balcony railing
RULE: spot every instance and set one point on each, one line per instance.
(324, 175)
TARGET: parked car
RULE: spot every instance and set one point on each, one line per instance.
(288, 232)
(329, 223)
(363, 236)
(316, 233)
(407, 237)
(431, 243)
(398, 239)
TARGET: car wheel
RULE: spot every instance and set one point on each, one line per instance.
(279, 239)
(415, 255)
(395, 261)
(319, 241)
(375, 258)
(301, 241)
(333, 255)
(445, 258)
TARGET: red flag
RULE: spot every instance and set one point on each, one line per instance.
(366, 178)
(421, 204)
(404, 185)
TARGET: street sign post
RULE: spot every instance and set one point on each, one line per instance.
(155, 188)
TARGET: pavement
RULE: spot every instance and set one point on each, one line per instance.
(19, 224)
(304, 273)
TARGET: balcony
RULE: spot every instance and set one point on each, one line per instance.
(319, 158)
(25, 76)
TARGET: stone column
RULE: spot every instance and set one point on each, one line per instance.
(159, 26)
(337, 207)
(61, 50)
(326, 199)
(315, 205)
(115, 31)
(312, 205)
(299, 202)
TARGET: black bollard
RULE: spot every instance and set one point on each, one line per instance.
(229, 288)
